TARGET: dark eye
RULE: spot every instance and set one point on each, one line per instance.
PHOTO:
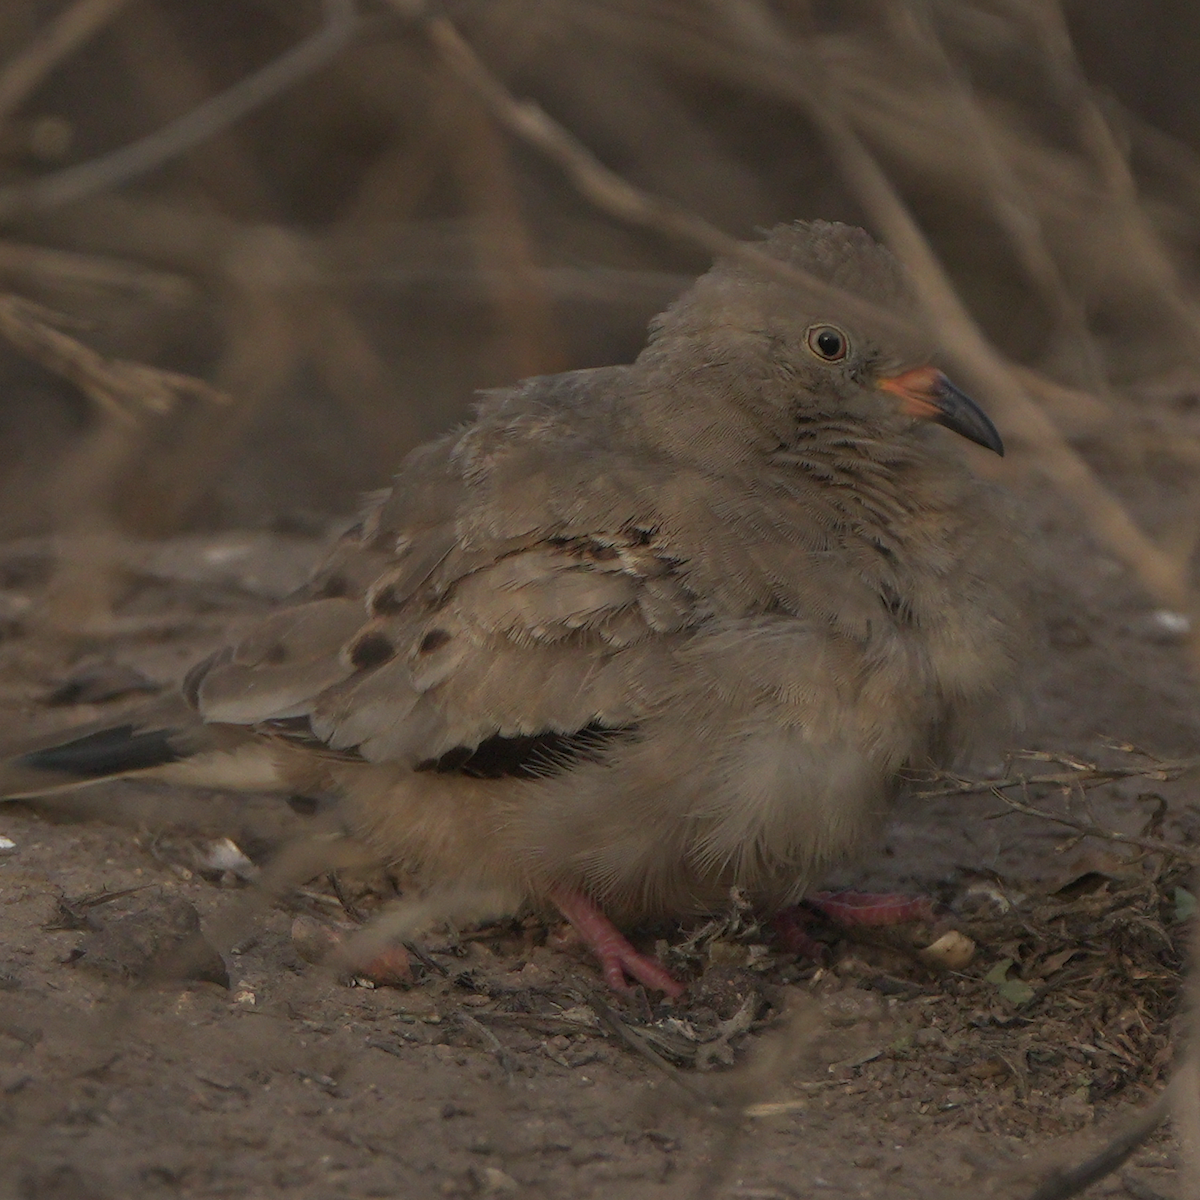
(828, 342)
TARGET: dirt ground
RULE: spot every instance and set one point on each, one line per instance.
(503, 1068)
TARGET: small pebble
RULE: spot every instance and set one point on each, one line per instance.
(951, 952)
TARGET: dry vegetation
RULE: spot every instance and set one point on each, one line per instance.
(253, 250)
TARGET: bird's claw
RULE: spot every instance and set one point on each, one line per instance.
(619, 961)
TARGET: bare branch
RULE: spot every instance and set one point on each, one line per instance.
(64, 35)
(1062, 1183)
(47, 267)
(1092, 829)
(121, 389)
(1082, 775)
(342, 23)
(606, 189)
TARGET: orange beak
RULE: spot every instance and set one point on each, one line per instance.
(927, 394)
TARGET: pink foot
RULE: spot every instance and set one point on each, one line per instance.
(871, 908)
(791, 934)
(318, 942)
(847, 909)
(617, 957)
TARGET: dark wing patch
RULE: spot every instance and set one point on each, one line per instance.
(527, 756)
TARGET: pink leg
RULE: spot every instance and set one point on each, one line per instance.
(848, 909)
(791, 934)
(871, 908)
(318, 942)
(617, 957)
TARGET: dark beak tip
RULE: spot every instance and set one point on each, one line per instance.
(991, 442)
(987, 437)
(958, 412)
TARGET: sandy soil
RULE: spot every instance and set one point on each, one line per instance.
(503, 1069)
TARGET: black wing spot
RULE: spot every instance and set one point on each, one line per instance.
(304, 806)
(332, 587)
(528, 756)
(371, 650)
(106, 752)
(386, 602)
(435, 639)
(275, 654)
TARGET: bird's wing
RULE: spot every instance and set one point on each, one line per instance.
(480, 599)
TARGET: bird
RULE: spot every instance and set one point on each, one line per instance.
(636, 635)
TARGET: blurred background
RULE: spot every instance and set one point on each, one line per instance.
(365, 243)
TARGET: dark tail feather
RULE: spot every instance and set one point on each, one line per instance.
(165, 740)
(113, 751)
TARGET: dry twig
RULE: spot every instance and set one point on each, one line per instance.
(44, 267)
(71, 184)
(1062, 1183)
(1095, 830)
(65, 34)
(122, 390)
(1081, 775)
(608, 190)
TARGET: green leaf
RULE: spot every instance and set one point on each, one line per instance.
(1015, 991)
(1185, 904)
(999, 973)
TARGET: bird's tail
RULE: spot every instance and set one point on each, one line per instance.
(165, 741)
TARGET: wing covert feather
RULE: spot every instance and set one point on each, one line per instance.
(522, 577)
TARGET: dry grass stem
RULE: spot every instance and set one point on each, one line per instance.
(1079, 775)
(44, 267)
(607, 189)
(1095, 830)
(73, 184)
(124, 391)
(1065, 1182)
(74, 26)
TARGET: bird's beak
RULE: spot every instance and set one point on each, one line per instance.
(927, 393)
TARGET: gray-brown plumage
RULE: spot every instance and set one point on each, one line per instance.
(642, 633)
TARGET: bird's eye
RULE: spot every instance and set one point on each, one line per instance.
(828, 342)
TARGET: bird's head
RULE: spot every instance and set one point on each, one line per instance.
(853, 348)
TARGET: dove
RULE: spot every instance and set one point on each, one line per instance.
(639, 634)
